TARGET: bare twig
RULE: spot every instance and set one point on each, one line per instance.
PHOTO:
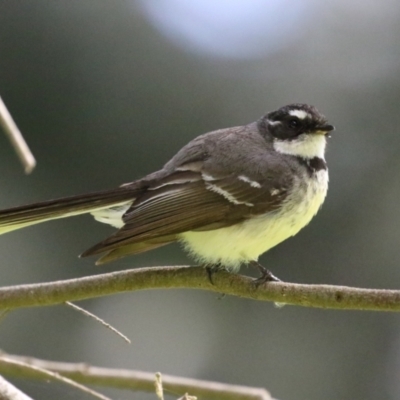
(159, 386)
(322, 296)
(134, 380)
(97, 319)
(16, 139)
(10, 392)
(44, 373)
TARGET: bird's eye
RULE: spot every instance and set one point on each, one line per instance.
(294, 123)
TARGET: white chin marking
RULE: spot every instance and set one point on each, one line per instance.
(300, 114)
(306, 145)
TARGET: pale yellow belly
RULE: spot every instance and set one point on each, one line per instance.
(246, 241)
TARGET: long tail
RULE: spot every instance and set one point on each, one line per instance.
(21, 217)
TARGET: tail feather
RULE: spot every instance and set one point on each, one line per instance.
(130, 249)
(20, 217)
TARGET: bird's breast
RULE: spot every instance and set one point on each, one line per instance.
(246, 241)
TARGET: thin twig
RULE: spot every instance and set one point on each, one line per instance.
(134, 380)
(322, 296)
(16, 139)
(97, 319)
(45, 373)
(159, 386)
(10, 392)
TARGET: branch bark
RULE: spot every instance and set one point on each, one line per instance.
(322, 296)
(19, 364)
(131, 380)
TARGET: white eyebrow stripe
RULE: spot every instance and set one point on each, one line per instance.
(228, 196)
(253, 184)
(273, 122)
(300, 114)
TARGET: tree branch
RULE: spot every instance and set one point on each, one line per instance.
(16, 139)
(132, 380)
(44, 373)
(322, 296)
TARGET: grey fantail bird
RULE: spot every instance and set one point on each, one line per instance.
(228, 196)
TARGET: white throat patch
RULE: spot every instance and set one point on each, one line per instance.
(305, 145)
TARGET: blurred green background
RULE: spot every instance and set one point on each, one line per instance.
(107, 91)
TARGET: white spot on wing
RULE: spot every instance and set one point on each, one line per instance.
(274, 192)
(176, 181)
(160, 195)
(207, 177)
(253, 184)
(300, 114)
(228, 196)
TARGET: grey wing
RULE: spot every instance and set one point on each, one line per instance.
(191, 197)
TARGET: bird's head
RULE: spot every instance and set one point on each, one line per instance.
(299, 130)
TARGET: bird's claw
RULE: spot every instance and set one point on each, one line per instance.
(266, 275)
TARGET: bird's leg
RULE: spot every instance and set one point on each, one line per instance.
(212, 269)
(266, 275)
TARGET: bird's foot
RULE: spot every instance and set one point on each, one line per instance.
(211, 269)
(266, 275)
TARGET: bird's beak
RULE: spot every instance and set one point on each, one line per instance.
(323, 129)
